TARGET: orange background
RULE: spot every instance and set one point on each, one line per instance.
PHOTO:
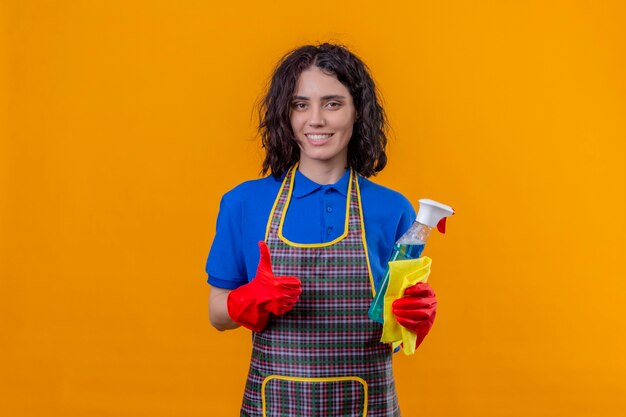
(123, 123)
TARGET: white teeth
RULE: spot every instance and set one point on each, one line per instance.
(318, 137)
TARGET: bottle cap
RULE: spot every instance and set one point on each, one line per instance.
(432, 213)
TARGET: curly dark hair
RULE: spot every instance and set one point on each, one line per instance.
(366, 149)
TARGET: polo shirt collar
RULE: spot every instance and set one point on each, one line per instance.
(304, 186)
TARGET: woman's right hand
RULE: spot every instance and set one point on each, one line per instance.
(251, 304)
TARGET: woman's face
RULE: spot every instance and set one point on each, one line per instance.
(322, 117)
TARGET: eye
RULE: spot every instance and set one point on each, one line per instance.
(298, 105)
(334, 104)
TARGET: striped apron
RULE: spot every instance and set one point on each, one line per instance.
(324, 357)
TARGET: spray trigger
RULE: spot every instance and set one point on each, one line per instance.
(441, 225)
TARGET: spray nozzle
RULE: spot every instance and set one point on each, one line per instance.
(432, 213)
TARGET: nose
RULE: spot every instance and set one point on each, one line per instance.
(317, 117)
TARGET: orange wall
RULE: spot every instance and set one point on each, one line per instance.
(123, 122)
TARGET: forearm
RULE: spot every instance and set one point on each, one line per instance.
(218, 310)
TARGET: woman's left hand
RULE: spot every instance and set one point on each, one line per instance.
(416, 309)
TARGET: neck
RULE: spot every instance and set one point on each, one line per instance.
(322, 173)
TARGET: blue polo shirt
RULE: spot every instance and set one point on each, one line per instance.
(316, 214)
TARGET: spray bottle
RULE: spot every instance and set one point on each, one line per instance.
(411, 244)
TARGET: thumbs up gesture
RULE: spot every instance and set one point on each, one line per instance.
(251, 304)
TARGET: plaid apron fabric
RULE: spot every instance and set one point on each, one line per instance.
(324, 357)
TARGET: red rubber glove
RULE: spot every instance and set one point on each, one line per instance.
(251, 304)
(416, 310)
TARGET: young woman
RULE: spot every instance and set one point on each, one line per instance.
(325, 234)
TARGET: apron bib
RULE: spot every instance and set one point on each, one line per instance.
(324, 357)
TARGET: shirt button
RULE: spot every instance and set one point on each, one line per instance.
(329, 230)
(329, 209)
(328, 191)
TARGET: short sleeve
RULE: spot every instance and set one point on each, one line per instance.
(407, 218)
(226, 263)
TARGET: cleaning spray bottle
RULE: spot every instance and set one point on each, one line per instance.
(410, 245)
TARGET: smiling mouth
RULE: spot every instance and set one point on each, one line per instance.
(318, 137)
